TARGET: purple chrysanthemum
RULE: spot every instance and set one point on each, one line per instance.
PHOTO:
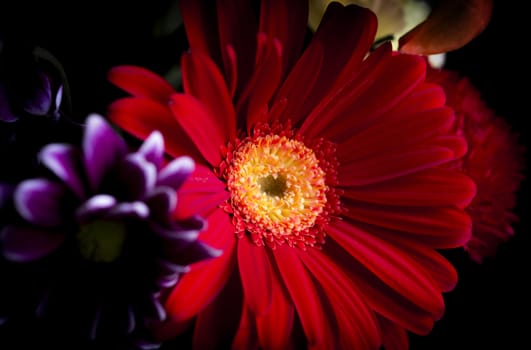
(103, 224)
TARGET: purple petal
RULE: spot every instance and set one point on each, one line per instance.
(58, 98)
(185, 252)
(102, 148)
(24, 244)
(176, 172)
(136, 210)
(167, 281)
(156, 310)
(162, 201)
(95, 206)
(143, 344)
(153, 148)
(40, 202)
(41, 101)
(137, 176)
(172, 268)
(64, 161)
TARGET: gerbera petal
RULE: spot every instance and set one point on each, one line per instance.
(442, 227)
(200, 23)
(141, 82)
(275, 327)
(253, 102)
(201, 125)
(286, 21)
(305, 297)
(202, 180)
(245, 337)
(237, 29)
(142, 116)
(176, 172)
(394, 336)
(199, 286)
(40, 202)
(65, 162)
(255, 272)
(228, 305)
(387, 262)
(391, 80)
(382, 298)
(299, 83)
(203, 80)
(25, 244)
(340, 52)
(102, 147)
(392, 164)
(204, 204)
(347, 300)
(386, 135)
(431, 187)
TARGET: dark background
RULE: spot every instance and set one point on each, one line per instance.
(490, 307)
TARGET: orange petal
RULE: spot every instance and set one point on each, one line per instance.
(451, 25)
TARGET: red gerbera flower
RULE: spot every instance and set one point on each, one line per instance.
(319, 171)
(495, 161)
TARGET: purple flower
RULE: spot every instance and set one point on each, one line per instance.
(103, 224)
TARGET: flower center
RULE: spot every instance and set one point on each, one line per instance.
(278, 190)
(101, 240)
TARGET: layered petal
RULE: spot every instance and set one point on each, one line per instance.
(199, 286)
(142, 116)
(141, 82)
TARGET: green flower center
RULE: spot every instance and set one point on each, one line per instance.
(101, 241)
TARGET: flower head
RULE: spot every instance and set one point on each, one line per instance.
(495, 161)
(106, 214)
(34, 107)
(319, 170)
